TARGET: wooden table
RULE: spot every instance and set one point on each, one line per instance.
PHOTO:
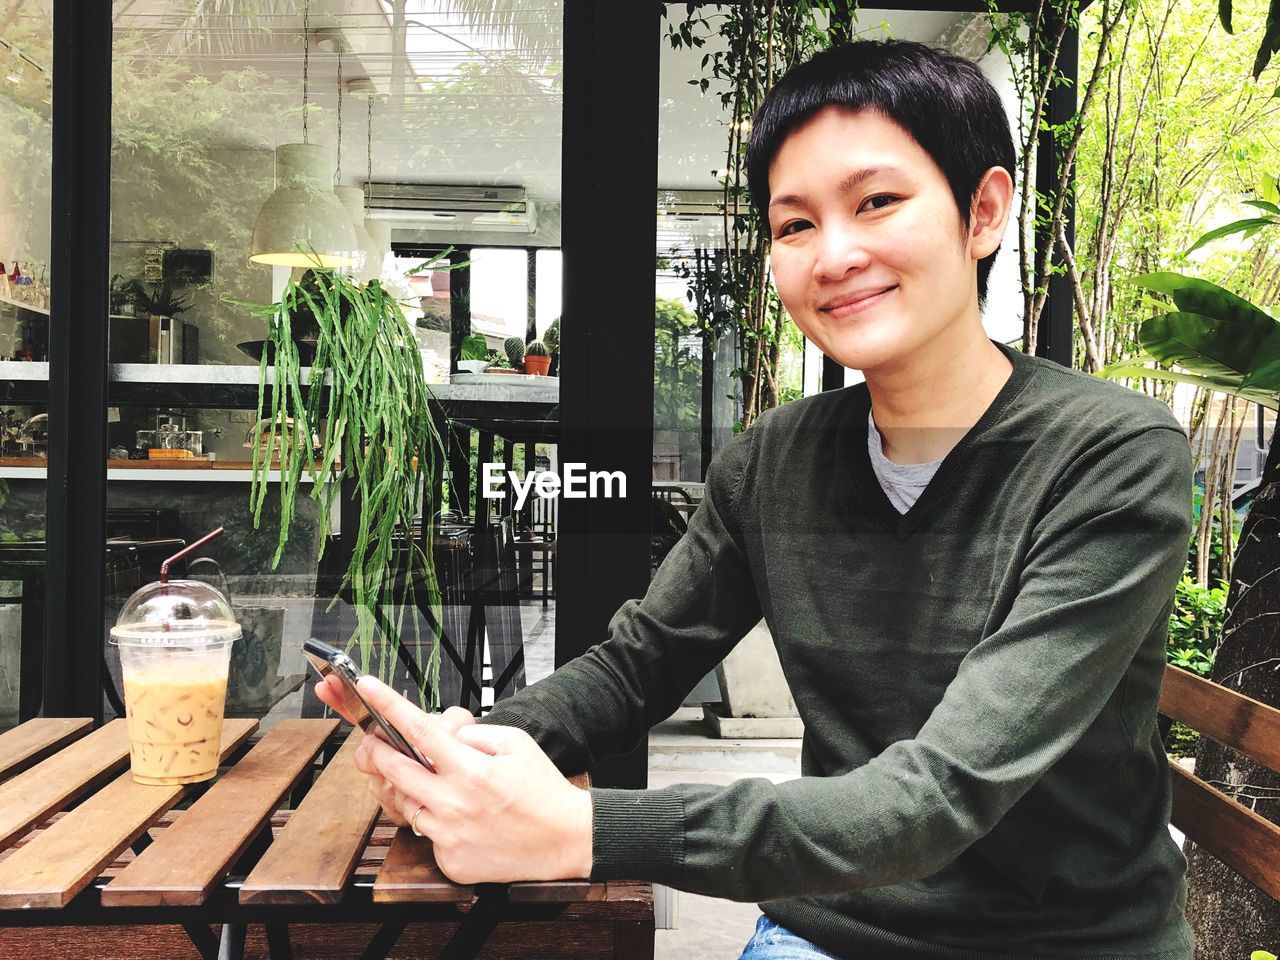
(280, 839)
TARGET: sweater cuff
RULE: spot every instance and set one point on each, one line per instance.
(637, 835)
(506, 717)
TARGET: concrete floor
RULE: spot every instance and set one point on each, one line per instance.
(681, 751)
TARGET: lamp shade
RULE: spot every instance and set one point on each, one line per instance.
(368, 257)
(303, 214)
(380, 234)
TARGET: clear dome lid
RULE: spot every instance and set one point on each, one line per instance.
(177, 612)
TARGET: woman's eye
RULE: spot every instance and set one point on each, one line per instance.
(793, 227)
(880, 201)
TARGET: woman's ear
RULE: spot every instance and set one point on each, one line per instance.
(989, 214)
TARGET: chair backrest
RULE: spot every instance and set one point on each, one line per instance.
(1246, 842)
(544, 515)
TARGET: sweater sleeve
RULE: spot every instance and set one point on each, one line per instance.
(701, 602)
(1098, 578)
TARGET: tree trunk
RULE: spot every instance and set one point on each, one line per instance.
(1229, 916)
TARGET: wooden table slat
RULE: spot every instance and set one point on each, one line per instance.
(27, 799)
(410, 874)
(182, 866)
(315, 855)
(30, 742)
(60, 861)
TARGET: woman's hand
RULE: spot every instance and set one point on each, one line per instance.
(332, 692)
(497, 809)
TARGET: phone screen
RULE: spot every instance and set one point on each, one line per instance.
(329, 660)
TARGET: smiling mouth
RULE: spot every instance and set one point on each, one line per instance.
(844, 309)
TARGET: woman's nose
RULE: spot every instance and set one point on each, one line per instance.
(840, 251)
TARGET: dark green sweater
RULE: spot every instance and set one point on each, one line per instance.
(978, 680)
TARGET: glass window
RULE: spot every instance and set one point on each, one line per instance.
(26, 105)
(249, 140)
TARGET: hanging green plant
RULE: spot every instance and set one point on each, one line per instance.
(364, 405)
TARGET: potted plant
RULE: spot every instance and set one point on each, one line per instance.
(473, 354)
(551, 337)
(366, 399)
(498, 362)
(154, 299)
(514, 349)
(537, 358)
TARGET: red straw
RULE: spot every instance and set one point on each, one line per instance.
(164, 567)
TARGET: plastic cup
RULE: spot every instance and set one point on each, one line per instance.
(174, 698)
(175, 652)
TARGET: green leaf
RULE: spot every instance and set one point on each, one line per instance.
(474, 347)
(1200, 296)
(1135, 368)
(1266, 205)
(1265, 372)
(1270, 187)
(1270, 42)
(1205, 345)
(1262, 955)
(1249, 225)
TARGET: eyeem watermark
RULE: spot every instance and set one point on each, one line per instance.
(578, 483)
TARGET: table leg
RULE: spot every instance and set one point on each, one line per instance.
(202, 939)
(476, 927)
(231, 943)
(384, 940)
(278, 945)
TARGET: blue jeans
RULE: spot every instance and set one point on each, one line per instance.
(772, 942)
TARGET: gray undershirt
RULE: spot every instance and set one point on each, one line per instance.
(902, 482)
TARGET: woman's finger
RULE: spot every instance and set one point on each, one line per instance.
(390, 799)
(429, 734)
(416, 816)
(329, 691)
(406, 775)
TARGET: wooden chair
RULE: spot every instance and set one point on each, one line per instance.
(535, 543)
(1246, 842)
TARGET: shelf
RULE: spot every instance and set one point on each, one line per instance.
(24, 306)
(236, 386)
(15, 468)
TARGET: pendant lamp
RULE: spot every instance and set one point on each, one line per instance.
(368, 257)
(379, 230)
(303, 224)
(303, 214)
(380, 234)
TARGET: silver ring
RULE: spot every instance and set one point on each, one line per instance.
(413, 821)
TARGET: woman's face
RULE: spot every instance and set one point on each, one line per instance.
(870, 256)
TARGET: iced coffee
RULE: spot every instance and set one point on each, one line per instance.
(174, 706)
(175, 651)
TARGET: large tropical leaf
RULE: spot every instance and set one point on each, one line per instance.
(1265, 374)
(1207, 345)
(1136, 367)
(1248, 227)
(1270, 43)
(1200, 296)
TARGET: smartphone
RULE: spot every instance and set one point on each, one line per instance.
(330, 660)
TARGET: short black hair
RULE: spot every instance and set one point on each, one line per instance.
(942, 101)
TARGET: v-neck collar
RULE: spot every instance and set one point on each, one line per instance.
(902, 525)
